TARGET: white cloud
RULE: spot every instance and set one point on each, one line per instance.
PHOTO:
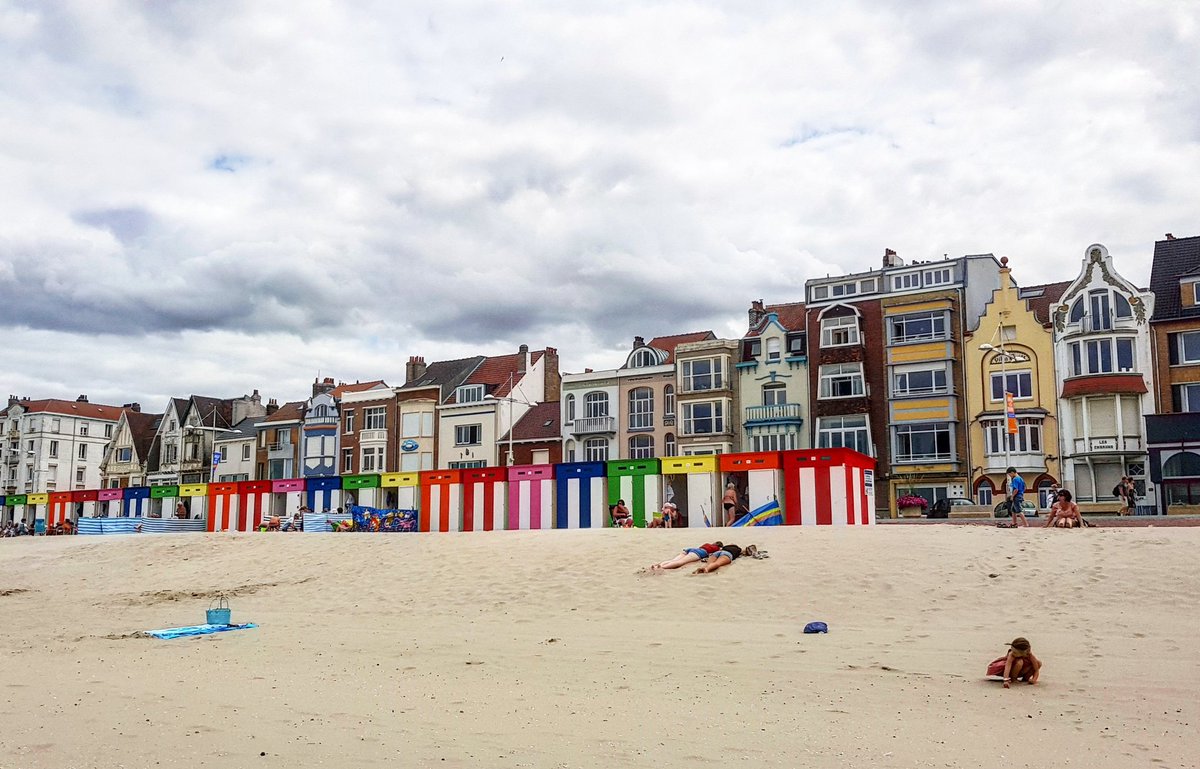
(286, 187)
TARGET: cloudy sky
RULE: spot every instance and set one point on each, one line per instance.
(219, 196)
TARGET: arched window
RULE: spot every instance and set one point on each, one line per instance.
(643, 358)
(570, 408)
(641, 408)
(641, 447)
(595, 404)
(570, 450)
(595, 450)
(1077, 311)
(1185, 464)
(1121, 306)
(669, 445)
(669, 400)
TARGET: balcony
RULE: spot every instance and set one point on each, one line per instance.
(780, 413)
(321, 421)
(1108, 444)
(1024, 461)
(281, 450)
(585, 425)
(372, 436)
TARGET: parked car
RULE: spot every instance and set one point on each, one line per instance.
(942, 508)
(1028, 507)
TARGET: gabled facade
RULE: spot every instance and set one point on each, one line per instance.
(1105, 373)
(772, 374)
(321, 436)
(489, 401)
(132, 450)
(1012, 351)
(535, 438)
(426, 386)
(1174, 433)
(186, 432)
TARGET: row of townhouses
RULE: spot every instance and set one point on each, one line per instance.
(946, 371)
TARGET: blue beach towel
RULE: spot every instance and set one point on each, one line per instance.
(182, 632)
(816, 627)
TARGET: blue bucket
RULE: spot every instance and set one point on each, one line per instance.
(219, 614)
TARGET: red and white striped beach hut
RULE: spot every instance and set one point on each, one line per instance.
(441, 500)
(483, 499)
(828, 487)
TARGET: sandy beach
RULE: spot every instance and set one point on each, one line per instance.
(550, 649)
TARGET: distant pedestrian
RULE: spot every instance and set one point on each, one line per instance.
(1016, 497)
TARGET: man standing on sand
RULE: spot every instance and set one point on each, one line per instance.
(1016, 497)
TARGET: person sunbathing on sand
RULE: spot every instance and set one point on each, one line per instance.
(1019, 664)
(689, 555)
(724, 557)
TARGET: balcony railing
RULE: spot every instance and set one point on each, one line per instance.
(315, 421)
(372, 436)
(280, 450)
(584, 425)
(780, 412)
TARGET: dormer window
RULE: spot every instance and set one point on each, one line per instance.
(643, 357)
(773, 350)
(797, 344)
(469, 393)
(939, 277)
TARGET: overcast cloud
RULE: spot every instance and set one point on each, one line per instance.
(213, 197)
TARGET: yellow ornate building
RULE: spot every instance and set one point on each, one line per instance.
(1012, 350)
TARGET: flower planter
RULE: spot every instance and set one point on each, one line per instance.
(912, 512)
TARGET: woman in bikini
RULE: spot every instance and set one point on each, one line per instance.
(729, 503)
(1064, 514)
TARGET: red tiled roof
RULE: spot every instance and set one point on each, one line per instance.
(668, 343)
(344, 388)
(791, 317)
(1041, 306)
(539, 423)
(288, 412)
(73, 408)
(499, 372)
(1131, 384)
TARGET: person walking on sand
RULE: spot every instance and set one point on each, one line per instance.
(689, 555)
(1016, 497)
(1018, 664)
(724, 557)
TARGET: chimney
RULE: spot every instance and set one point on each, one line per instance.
(756, 312)
(133, 407)
(638, 342)
(1170, 236)
(81, 399)
(414, 369)
(553, 389)
(890, 259)
(272, 406)
(523, 362)
(323, 386)
(587, 371)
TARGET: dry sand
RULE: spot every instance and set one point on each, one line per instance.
(548, 649)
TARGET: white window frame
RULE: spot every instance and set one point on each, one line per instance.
(125, 454)
(410, 424)
(839, 290)
(372, 459)
(245, 452)
(906, 281)
(920, 368)
(463, 435)
(670, 445)
(641, 408)
(841, 324)
(832, 373)
(774, 390)
(1080, 360)
(83, 451)
(54, 449)
(1180, 350)
(867, 286)
(716, 417)
(940, 276)
(774, 349)
(833, 431)
(1028, 439)
(595, 404)
(347, 460)
(375, 418)
(348, 421)
(641, 446)
(643, 357)
(820, 292)
(570, 409)
(595, 450)
(984, 495)
(1189, 397)
(468, 393)
(669, 400)
(83, 428)
(716, 374)
(1022, 376)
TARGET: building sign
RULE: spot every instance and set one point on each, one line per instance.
(409, 445)
(216, 458)
(869, 481)
(1010, 412)
(1004, 358)
(1104, 444)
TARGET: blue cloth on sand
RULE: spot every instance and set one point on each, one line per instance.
(816, 627)
(181, 632)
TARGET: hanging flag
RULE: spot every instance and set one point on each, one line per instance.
(1010, 412)
(769, 514)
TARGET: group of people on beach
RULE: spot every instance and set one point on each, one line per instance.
(15, 529)
(711, 555)
(1064, 512)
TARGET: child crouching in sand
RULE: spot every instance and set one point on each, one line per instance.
(1018, 665)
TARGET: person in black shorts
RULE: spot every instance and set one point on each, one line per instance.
(725, 556)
